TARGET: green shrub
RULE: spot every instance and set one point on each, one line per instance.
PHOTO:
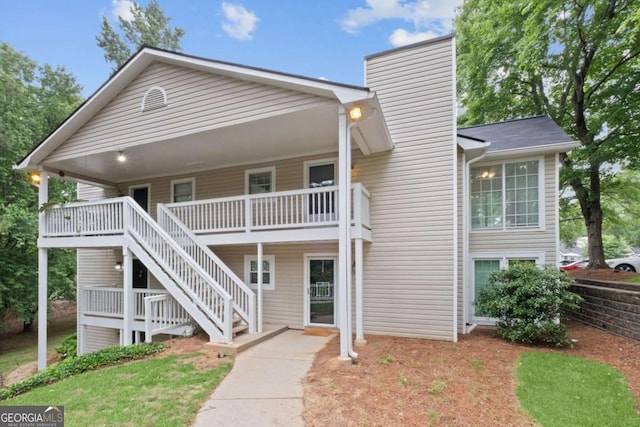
(528, 301)
(68, 347)
(76, 365)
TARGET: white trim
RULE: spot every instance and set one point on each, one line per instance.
(540, 150)
(541, 196)
(307, 313)
(556, 213)
(192, 180)
(319, 162)
(271, 259)
(137, 186)
(249, 172)
(503, 257)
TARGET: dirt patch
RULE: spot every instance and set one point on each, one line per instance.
(603, 274)
(415, 382)
(196, 352)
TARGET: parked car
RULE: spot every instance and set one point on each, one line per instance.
(576, 265)
(630, 263)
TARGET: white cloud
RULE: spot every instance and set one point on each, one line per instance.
(401, 37)
(239, 22)
(427, 16)
(122, 9)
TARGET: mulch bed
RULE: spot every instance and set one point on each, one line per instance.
(415, 382)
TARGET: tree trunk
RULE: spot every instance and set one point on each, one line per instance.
(594, 234)
(27, 326)
(593, 220)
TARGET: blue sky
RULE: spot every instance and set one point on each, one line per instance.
(322, 39)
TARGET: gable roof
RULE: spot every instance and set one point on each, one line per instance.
(527, 134)
(345, 94)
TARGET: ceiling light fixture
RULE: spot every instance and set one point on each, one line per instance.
(121, 157)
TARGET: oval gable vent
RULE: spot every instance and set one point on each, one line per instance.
(155, 98)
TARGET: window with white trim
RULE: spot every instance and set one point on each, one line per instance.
(485, 264)
(268, 271)
(183, 190)
(506, 195)
(259, 181)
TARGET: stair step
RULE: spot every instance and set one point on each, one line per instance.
(239, 329)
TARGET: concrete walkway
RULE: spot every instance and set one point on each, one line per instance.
(264, 387)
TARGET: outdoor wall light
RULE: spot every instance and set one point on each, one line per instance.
(121, 157)
(35, 178)
(118, 266)
(355, 113)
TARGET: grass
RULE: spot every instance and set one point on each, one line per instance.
(18, 349)
(634, 279)
(162, 392)
(562, 390)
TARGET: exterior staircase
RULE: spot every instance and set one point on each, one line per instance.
(194, 276)
(203, 286)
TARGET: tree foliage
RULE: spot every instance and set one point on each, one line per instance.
(33, 101)
(148, 27)
(576, 61)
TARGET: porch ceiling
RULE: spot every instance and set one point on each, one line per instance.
(295, 134)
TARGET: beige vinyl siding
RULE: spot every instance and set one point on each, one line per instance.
(409, 267)
(96, 266)
(285, 304)
(99, 338)
(197, 101)
(532, 240)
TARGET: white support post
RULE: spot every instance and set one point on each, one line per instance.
(260, 258)
(344, 235)
(127, 297)
(360, 341)
(43, 197)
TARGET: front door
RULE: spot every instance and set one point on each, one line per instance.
(320, 283)
(322, 206)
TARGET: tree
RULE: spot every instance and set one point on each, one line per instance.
(578, 62)
(149, 26)
(33, 101)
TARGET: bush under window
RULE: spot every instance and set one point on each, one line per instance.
(528, 302)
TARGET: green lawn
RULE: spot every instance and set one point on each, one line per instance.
(18, 349)
(561, 390)
(634, 279)
(164, 391)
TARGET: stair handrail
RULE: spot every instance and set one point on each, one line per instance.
(222, 322)
(243, 297)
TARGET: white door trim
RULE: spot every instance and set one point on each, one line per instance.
(307, 313)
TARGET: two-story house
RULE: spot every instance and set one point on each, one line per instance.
(236, 198)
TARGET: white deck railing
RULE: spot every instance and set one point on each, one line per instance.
(103, 217)
(162, 313)
(108, 301)
(312, 207)
(243, 298)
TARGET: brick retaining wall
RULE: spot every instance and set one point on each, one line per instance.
(612, 306)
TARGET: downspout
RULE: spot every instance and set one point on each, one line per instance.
(465, 232)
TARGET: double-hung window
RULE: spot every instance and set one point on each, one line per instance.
(506, 195)
(260, 180)
(183, 190)
(251, 271)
